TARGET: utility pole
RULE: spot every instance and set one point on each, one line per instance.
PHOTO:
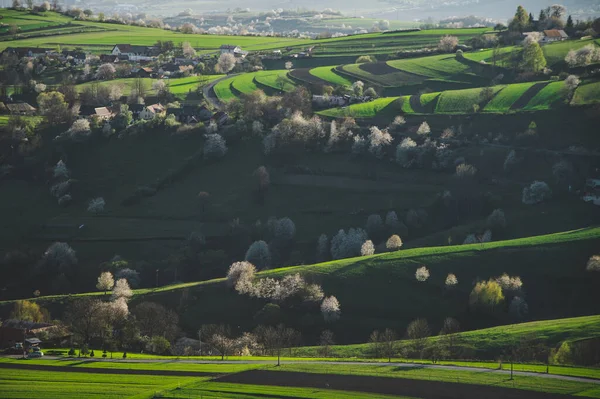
(156, 278)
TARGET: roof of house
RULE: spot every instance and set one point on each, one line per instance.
(20, 107)
(103, 111)
(228, 47)
(156, 107)
(136, 107)
(555, 33)
(129, 48)
(75, 54)
(147, 69)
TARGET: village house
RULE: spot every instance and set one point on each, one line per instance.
(20, 109)
(145, 72)
(113, 59)
(150, 111)
(330, 101)
(235, 50)
(103, 113)
(220, 118)
(32, 52)
(135, 53)
(78, 57)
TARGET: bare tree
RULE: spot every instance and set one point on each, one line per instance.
(325, 341)
(375, 343)
(418, 331)
(388, 340)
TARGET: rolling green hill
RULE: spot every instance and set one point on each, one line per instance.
(506, 99)
(381, 291)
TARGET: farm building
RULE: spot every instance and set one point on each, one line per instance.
(78, 57)
(135, 53)
(20, 109)
(554, 35)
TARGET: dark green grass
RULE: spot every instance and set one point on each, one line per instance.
(463, 377)
(587, 93)
(545, 263)
(493, 340)
(245, 391)
(51, 384)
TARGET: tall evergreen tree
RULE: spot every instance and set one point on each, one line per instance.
(520, 22)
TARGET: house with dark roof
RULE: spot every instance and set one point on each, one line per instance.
(554, 35)
(113, 59)
(78, 57)
(188, 113)
(135, 53)
(20, 109)
(220, 118)
(150, 111)
(21, 52)
(231, 49)
(145, 72)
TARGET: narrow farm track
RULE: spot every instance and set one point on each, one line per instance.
(271, 362)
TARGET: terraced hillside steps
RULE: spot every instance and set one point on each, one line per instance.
(528, 95)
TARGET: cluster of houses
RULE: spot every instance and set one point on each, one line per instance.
(338, 101)
(187, 114)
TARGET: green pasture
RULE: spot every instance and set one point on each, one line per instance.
(587, 93)
(274, 80)
(454, 376)
(363, 110)
(223, 89)
(549, 97)
(20, 384)
(507, 96)
(328, 74)
(459, 101)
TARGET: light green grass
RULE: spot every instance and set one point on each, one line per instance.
(35, 119)
(326, 73)
(587, 93)
(272, 79)
(507, 96)
(114, 33)
(550, 96)
(437, 66)
(459, 101)
(363, 110)
(223, 89)
(244, 83)
(20, 384)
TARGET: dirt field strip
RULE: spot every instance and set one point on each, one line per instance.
(384, 385)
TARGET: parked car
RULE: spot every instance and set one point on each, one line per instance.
(35, 354)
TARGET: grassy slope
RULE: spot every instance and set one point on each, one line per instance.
(587, 93)
(223, 89)
(507, 96)
(270, 79)
(493, 340)
(461, 101)
(545, 263)
(364, 110)
(326, 73)
(113, 34)
(548, 97)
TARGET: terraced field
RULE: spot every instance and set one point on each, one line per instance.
(274, 80)
(519, 97)
(459, 101)
(244, 83)
(223, 89)
(405, 72)
(329, 75)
